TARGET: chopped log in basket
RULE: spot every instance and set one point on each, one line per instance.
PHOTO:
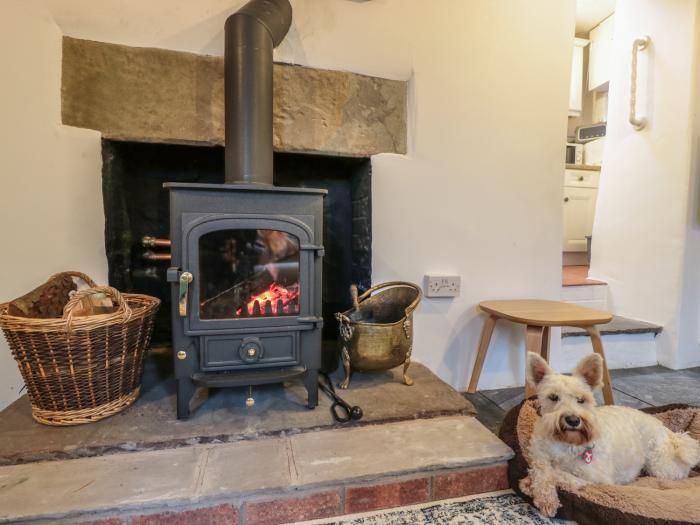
(45, 301)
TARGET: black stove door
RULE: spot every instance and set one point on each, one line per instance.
(249, 272)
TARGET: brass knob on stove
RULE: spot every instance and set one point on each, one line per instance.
(182, 355)
(251, 350)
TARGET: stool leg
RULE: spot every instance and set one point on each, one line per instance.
(481, 353)
(535, 342)
(545, 343)
(598, 349)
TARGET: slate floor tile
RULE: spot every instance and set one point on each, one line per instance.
(506, 398)
(663, 388)
(642, 371)
(622, 399)
(488, 413)
(694, 371)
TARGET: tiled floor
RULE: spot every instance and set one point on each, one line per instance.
(576, 276)
(634, 387)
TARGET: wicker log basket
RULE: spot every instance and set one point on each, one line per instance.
(80, 369)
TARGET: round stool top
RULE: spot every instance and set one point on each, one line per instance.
(539, 312)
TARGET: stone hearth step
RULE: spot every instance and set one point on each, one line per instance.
(628, 343)
(589, 295)
(618, 326)
(265, 481)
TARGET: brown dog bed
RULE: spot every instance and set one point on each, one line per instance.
(647, 501)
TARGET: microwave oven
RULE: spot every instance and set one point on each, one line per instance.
(574, 153)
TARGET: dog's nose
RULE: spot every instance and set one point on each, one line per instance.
(572, 421)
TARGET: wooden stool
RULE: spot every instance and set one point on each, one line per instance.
(539, 316)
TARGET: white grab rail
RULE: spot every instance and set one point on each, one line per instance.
(640, 44)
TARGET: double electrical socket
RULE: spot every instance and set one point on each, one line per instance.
(442, 285)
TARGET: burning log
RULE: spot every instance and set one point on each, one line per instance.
(276, 300)
(228, 303)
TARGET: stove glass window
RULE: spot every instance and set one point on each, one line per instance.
(248, 273)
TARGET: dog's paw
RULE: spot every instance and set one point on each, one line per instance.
(525, 485)
(548, 504)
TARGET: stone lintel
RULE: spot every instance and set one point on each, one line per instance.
(158, 95)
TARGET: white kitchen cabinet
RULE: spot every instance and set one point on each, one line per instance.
(601, 44)
(580, 195)
(581, 178)
(576, 86)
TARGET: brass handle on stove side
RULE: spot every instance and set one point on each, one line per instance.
(185, 280)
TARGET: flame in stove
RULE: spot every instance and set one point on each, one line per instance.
(278, 296)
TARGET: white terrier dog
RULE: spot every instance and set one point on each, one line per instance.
(575, 443)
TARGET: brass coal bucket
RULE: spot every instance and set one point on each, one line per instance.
(377, 334)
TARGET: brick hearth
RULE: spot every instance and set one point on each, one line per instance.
(347, 499)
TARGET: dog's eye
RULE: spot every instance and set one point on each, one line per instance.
(581, 401)
(553, 397)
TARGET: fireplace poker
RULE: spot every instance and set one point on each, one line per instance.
(341, 410)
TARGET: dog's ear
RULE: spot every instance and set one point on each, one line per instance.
(536, 368)
(590, 370)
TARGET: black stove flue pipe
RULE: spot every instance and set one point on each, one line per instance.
(251, 34)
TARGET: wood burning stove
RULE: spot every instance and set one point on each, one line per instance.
(246, 255)
(246, 286)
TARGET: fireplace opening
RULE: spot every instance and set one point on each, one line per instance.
(249, 273)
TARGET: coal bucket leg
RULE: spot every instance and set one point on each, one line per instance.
(311, 384)
(407, 380)
(185, 392)
(408, 333)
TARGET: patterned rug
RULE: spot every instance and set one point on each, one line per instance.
(495, 508)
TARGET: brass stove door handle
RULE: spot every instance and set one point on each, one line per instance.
(185, 280)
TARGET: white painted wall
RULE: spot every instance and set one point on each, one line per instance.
(642, 244)
(479, 193)
(689, 332)
(50, 202)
